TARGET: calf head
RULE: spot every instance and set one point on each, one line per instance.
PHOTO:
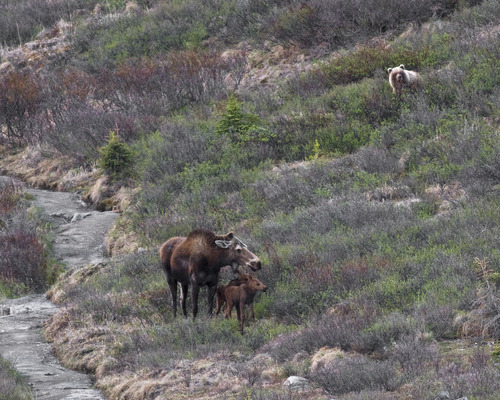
(236, 253)
(254, 284)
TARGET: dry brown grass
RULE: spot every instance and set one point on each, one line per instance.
(71, 278)
(47, 169)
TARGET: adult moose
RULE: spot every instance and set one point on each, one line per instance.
(196, 260)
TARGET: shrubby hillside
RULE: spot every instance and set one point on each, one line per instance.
(376, 216)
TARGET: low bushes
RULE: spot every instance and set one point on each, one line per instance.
(25, 263)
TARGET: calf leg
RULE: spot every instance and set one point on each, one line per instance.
(252, 316)
(229, 307)
(241, 315)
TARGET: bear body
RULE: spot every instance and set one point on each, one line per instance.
(401, 78)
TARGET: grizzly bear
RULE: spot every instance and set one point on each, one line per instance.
(401, 78)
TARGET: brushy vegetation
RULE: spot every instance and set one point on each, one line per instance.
(25, 262)
(375, 217)
(12, 385)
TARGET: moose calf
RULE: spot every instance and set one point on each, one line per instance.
(239, 292)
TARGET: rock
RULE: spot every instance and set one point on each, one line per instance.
(58, 215)
(296, 383)
(442, 395)
(80, 216)
(77, 217)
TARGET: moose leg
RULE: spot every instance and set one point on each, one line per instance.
(210, 299)
(173, 289)
(184, 295)
(238, 313)
(195, 289)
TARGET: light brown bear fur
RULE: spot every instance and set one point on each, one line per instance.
(401, 78)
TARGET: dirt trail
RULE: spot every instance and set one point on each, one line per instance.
(79, 241)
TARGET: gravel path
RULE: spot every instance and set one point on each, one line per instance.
(79, 241)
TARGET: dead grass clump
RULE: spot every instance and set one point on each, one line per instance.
(325, 356)
(100, 192)
(47, 169)
(71, 279)
(79, 349)
(120, 240)
(484, 319)
(136, 386)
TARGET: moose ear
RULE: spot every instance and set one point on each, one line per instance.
(223, 244)
(239, 242)
(229, 236)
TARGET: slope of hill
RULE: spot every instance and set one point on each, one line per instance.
(375, 215)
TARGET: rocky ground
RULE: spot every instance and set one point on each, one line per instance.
(79, 240)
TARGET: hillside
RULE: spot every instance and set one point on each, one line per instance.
(376, 216)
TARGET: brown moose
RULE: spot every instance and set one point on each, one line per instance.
(239, 292)
(196, 260)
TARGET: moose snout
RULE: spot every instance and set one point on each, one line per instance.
(255, 265)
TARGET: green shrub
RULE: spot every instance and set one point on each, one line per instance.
(239, 126)
(116, 158)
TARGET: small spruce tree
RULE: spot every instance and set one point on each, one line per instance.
(239, 126)
(116, 158)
